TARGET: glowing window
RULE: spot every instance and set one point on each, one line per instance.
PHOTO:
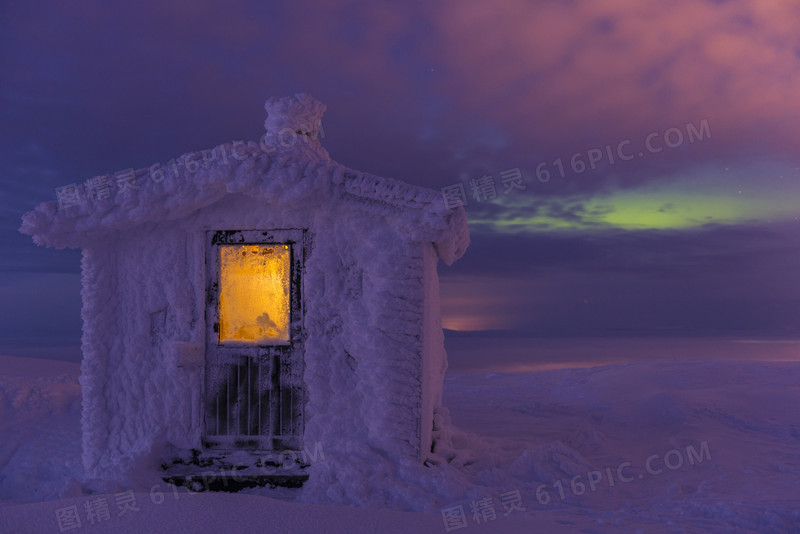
(254, 294)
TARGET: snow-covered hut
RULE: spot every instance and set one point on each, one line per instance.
(257, 297)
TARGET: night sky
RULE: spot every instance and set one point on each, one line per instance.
(657, 143)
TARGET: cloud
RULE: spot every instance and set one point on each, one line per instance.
(564, 76)
(425, 92)
(692, 199)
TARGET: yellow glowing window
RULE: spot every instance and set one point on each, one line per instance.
(254, 293)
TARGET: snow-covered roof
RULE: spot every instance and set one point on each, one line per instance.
(288, 166)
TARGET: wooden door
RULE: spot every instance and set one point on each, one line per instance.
(254, 395)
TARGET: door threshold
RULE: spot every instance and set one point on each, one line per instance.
(235, 470)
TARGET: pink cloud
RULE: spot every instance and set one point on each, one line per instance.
(614, 68)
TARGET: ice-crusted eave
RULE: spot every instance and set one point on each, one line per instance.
(256, 173)
(455, 239)
(420, 213)
(285, 178)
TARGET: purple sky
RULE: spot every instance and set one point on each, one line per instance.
(675, 126)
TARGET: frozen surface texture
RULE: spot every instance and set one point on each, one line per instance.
(292, 120)
(661, 446)
(373, 348)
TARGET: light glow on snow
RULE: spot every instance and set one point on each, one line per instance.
(254, 293)
(471, 303)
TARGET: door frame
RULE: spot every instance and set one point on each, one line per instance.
(278, 365)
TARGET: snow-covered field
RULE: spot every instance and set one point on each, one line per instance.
(666, 445)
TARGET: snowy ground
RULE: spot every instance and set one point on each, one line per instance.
(667, 445)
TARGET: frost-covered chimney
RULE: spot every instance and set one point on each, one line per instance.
(294, 122)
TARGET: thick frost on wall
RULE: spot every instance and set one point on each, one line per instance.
(434, 363)
(135, 393)
(364, 318)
